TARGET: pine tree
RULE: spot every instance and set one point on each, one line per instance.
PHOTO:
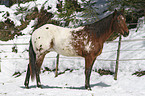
(135, 10)
(67, 10)
(89, 13)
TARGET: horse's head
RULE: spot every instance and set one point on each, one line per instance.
(119, 23)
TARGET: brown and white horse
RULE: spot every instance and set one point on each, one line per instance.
(85, 41)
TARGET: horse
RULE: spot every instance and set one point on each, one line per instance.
(85, 41)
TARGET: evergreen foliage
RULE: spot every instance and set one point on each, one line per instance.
(67, 11)
(9, 3)
(89, 13)
(136, 4)
(135, 9)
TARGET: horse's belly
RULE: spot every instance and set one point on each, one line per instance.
(65, 50)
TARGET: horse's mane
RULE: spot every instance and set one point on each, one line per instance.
(99, 27)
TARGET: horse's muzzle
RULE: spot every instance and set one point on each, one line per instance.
(125, 34)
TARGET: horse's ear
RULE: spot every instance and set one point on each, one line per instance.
(115, 12)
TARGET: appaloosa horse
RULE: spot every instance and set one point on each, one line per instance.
(85, 41)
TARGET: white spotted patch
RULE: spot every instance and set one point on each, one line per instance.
(41, 39)
(44, 37)
(88, 44)
(88, 47)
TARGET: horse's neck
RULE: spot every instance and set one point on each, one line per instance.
(102, 29)
(108, 32)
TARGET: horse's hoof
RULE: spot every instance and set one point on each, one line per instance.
(39, 86)
(26, 87)
(88, 88)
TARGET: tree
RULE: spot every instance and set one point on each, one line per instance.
(89, 13)
(72, 11)
(66, 11)
(136, 9)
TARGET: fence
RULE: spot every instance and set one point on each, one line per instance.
(117, 59)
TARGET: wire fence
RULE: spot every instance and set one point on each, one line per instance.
(132, 40)
(61, 57)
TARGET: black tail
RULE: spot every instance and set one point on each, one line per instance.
(32, 61)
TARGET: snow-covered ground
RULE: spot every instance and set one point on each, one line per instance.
(72, 83)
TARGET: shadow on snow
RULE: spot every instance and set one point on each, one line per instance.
(101, 84)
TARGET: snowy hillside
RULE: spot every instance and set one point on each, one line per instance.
(72, 83)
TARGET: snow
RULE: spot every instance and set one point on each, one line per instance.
(29, 28)
(13, 17)
(72, 83)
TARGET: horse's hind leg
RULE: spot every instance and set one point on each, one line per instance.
(27, 77)
(39, 62)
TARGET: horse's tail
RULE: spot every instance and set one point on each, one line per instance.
(32, 61)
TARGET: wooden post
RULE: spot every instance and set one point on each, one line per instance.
(117, 59)
(57, 63)
(0, 64)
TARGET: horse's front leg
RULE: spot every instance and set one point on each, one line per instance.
(89, 61)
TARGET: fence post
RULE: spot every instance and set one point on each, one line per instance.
(57, 63)
(117, 59)
(0, 64)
